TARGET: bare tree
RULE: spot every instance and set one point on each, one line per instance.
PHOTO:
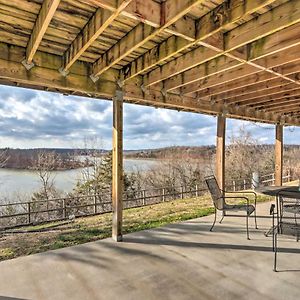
(45, 164)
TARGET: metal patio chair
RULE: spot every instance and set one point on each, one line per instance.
(288, 221)
(219, 200)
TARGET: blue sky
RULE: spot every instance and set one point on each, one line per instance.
(31, 119)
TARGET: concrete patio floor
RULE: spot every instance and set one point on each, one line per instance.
(179, 261)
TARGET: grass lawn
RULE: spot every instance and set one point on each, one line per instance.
(40, 238)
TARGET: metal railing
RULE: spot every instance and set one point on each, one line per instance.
(59, 209)
(267, 179)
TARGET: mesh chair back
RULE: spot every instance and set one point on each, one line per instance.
(215, 192)
(289, 216)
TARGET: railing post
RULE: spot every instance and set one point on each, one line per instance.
(163, 195)
(144, 197)
(29, 212)
(197, 195)
(181, 192)
(64, 208)
(233, 185)
(244, 184)
(95, 204)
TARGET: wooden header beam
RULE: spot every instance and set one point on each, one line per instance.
(45, 76)
(44, 18)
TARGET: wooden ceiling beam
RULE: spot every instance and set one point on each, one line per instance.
(258, 94)
(243, 79)
(288, 108)
(141, 34)
(251, 83)
(274, 42)
(208, 25)
(280, 102)
(149, 12)
(91, 31)
(43, 20)
(264, 100)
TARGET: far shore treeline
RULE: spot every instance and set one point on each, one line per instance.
(68, 158)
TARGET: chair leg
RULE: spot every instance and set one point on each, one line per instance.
(214, 221)
(221, 219)
(256, 227)
(247, 225)
(275, 253)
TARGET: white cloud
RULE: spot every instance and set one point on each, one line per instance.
(40, 119)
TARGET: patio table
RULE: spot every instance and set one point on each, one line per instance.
(292, 192)
(284, 191)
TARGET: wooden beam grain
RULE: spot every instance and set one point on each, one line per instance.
(278, 155)
(141, 34)
(117, 166)
(44, 18)
(220, 151)
(92, 30)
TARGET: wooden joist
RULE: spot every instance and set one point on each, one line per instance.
(269, 26)
(208, 25)
(44, 18)
(92, 30)
(149, 12)
(260, 80)
(141, 34)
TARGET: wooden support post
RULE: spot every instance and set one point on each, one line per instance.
(278, 155)
(117, 174)
(220, 151)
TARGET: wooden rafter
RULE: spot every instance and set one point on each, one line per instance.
(206, 26)
(256, 92)
(44, 18)
(141, 34)
(245, 33)
(149, 12)
(92, 30)
(242, 77)
(255, 82)
(263, 100)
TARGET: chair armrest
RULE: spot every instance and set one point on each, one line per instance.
(237, 197)
(244, 192)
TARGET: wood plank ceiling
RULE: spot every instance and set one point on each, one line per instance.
(238, 58)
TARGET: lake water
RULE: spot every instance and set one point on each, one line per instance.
(24, 182)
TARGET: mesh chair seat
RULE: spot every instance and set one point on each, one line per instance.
(292, 208)
(290, 229)
(240, 207)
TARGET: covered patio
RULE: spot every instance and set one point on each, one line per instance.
(178, 261)
(231, 59)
